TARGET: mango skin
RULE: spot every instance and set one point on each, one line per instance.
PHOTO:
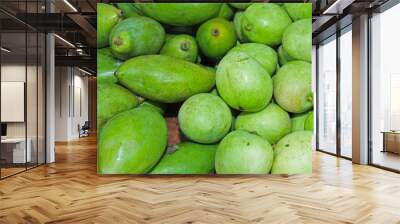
(136, 36)
(216, 37)
(205, 118)
(266, 56)
(214, 92)
(309, 122)
(298, 121)
(292, 87)
(293, 154)
(181, 46)
(111, 100)
(237, 22)
(164, 79)
(241, 152)
(243, 83)
(241, 6)
(265, 23)
(283, 56)
(226, 12)
(297, 40)
(271, 123)
(107, 17)
(178, 14)
(159, 107)
(298, 11)
(187, 158)
(129, 9)
(106, 66)
(132, 142)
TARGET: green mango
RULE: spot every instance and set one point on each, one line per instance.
(136, 36)
(309, 123)
(164, 79)
(216, 37)
(241, 6)
(265, 23)
(271, 123)
(212, 69)
(159, 107)
(132, 142)
(264, 55)
(292, 87)
(204, 118)
(129, 9)
(187, 158)
(293, 154)
(111, 100)
(169, 37)
(214, 92)
(243, 82)
(225, 12)
(106, 66)
(283, 56)
(178, 14)
(237, 22)
(298, 121)
(241, 152)
(107, 17)
(298, 11)
(297, 40)
(181, 46)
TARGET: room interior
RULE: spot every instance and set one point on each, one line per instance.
(48, 92)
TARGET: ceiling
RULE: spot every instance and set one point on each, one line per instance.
(332, 15)
(75, 22)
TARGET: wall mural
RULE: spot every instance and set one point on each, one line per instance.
(204, 88)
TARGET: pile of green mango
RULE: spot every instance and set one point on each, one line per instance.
(236, 75)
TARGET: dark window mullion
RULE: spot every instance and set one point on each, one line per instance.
(26, 87)
(0, 94)
(369, 96)
(338, 74)
(317, 96)
(37, 90)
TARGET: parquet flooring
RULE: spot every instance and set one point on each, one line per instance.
(70, 191)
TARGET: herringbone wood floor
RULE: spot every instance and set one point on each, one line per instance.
(70, 191)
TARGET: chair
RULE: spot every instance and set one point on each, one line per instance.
(84, 130)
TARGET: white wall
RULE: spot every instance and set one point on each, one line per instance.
(71, 102)
(12, 73)
(62, 81)
(33, 126)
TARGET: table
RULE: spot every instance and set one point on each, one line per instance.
(391, 141)
(18, 150)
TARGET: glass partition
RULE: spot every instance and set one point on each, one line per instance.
(385, 89)
(22, 78)
(346, 92)
(327, 96)
(14, 153)
(32, 98)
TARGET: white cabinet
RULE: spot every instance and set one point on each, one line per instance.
(18, 148)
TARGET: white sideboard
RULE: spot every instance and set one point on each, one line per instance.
(18, 146)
